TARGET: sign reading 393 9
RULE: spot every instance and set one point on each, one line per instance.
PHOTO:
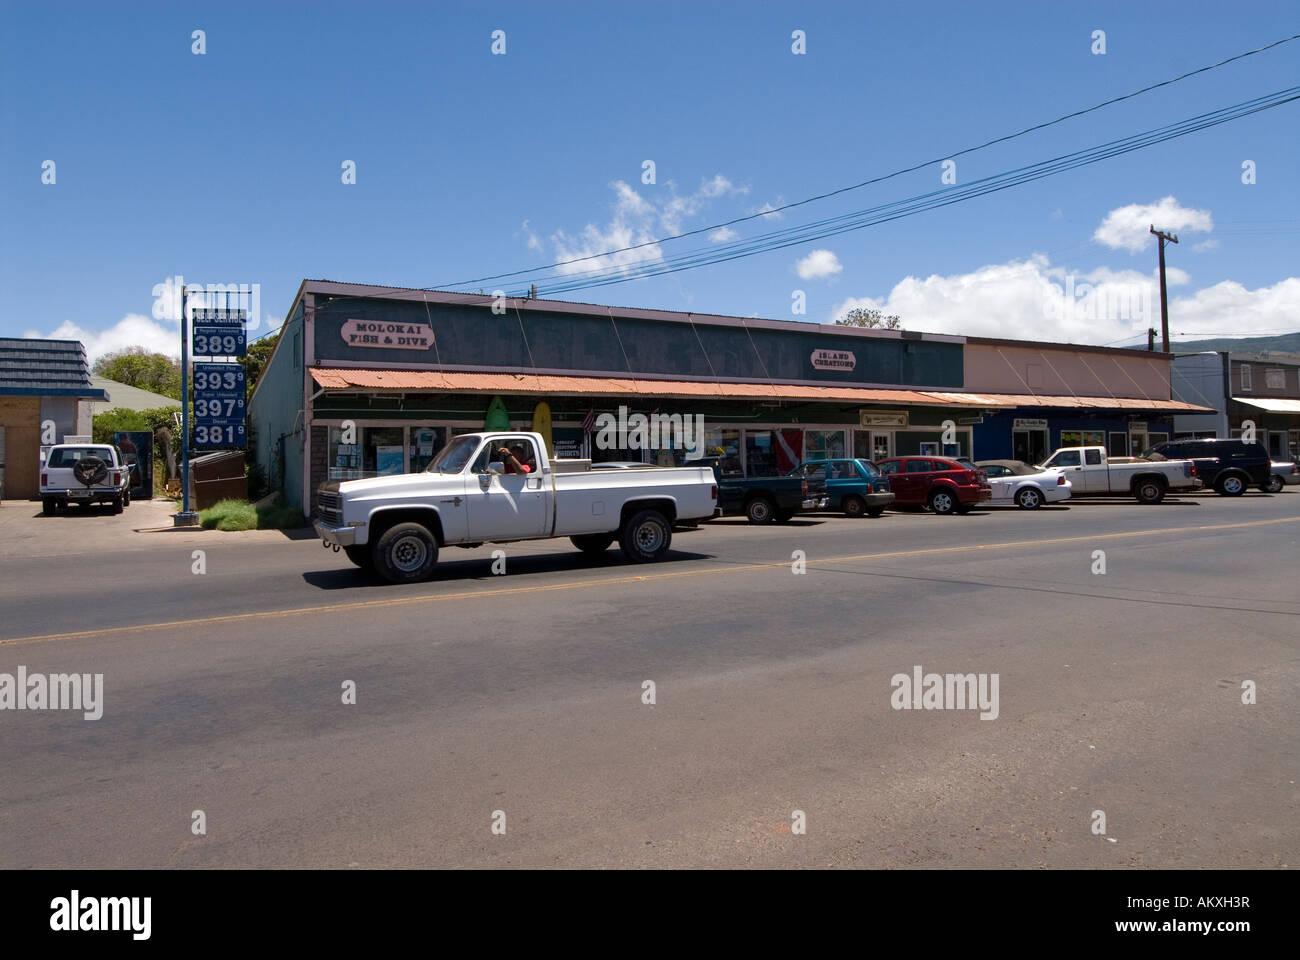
(219, 380)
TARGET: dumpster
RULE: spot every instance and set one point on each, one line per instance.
(217, 476)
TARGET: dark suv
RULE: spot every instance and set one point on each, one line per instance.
(1229, 466)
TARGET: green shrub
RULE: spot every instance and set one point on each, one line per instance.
(229, 515)
(241, 515)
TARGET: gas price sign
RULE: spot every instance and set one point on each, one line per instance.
(219, 405)
(219, 333)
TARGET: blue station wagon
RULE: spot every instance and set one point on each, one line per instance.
(854, 486)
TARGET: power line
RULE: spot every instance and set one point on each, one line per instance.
(894, 210)
(880, 179)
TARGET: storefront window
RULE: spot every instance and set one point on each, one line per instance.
(382, 451)
(425, 444)
(719, 442)
(760, 453)
(342, 459)
(1083, 438)
(823, 444)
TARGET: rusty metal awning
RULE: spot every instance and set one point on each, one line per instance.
(366, 379)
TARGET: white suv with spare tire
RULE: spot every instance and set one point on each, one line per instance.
(84, 473)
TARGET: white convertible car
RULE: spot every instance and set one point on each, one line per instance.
(1028, 487)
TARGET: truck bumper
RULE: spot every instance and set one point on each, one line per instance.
(336, 536)
(816, 503)
(81, 495)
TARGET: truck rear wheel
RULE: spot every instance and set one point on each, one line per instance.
(49, 507)
(406, 553)
(117, 504)
(593, 544)
(1149, 491)
(646, 536)
(760, 510)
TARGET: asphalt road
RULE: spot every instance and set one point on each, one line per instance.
(522, 693)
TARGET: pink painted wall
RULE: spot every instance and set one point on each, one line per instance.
(1060, 371)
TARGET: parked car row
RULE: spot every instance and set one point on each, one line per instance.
(502, 488)
(955, 485)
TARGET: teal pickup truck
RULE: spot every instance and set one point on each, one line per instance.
(854, 486)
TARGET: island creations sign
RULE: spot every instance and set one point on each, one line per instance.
(387, 336)
(834, 360)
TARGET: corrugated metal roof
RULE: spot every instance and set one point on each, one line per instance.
(1271, 404)
(352, 378)
(1096, 403)
(355, 378)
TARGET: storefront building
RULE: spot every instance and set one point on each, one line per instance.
(45, 397)
(1263, 390)
(373, 380)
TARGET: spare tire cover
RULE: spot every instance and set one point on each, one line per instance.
(90, 470)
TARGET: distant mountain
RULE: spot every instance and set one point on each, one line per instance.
(1283, 343)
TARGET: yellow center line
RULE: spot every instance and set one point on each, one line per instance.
(612, 581)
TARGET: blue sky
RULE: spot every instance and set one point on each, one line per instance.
(226, 167)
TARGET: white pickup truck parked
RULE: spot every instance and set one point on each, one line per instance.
(84, 473)
(502, 487)
(1092, 474)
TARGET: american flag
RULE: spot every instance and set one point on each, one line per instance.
(589, 421)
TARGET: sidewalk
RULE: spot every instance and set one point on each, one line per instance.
(25, 532)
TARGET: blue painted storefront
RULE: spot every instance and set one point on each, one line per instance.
(995, 438)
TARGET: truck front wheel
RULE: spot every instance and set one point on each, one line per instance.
(646, 536)
(406, 553)
(361, 556)
(1149, 491)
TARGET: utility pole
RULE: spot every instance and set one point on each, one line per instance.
(1164, 298)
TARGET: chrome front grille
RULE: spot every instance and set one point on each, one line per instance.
(331, 508)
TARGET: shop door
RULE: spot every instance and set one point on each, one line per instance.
(1137, 442)
(507, 506)
(1029, 446)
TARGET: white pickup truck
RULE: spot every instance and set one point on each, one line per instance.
(502, 487)
(84, 473)
(1092, 474)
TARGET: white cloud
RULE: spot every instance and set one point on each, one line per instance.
(1129, 228)
(722, 235)
(1206, 245)
(133, 330)
(637, 220)
(1027, 299)
(818, 265)
(768, 211)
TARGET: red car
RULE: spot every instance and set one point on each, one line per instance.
(940, 483)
